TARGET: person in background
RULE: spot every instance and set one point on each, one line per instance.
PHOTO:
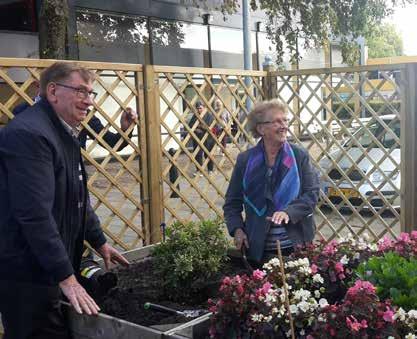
(127, 118)
(226, 118)
(203, 121)
(45, 214)
(276, 185)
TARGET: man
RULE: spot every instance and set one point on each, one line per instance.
(203, 121)
(127, 118)
(45, 215)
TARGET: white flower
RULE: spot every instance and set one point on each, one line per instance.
(317, 294)
(373, 247)
(356, 256)
(304, 306)
(318, 278)
(412, 314)
(257, 318)
(410, 336)
(321, 318)
(302, 294)
(344, 260)
(390, 337)
(302, 332)
(323, 303)
(400, 314)
(293, 309)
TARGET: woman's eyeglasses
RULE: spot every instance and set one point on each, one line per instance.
(280, 122)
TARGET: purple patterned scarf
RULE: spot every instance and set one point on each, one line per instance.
(254, 179)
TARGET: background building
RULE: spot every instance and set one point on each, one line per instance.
(162, 32)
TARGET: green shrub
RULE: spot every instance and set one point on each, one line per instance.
(394, 276)
(192, 254)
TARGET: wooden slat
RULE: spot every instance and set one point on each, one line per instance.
(209, 71)
(43, 63)
(315, 71)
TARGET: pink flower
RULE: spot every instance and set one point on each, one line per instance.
(341, 276)
(364, 323)
(404, 237)
(330, 248)
(361, 286)
(314, 269)
(240, 290)
(355, 325)
(226, 281)
(384, 244)
(388, 315)
(414, 235)
(339, 267)
(258, 274)
(266, 287)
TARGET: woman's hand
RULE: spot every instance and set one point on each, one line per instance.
(279, 217)
(241, 239)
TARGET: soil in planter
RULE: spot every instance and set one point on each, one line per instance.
(138, 284)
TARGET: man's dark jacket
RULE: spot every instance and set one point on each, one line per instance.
(95, 124)
(301, 227)
(41, 229)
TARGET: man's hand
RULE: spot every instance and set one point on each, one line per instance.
(78, 297)
(279, 217)
(241, 239)
(128, 117)
(111, 255)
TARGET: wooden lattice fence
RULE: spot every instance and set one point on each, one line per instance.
(163, 172)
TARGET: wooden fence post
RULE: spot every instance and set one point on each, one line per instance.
(269, 83)
(143, 161)
(154, 152)
(409, 149)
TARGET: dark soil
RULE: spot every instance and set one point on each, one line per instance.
(138, 284)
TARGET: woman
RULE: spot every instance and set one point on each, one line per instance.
(226, 119)
(276, 185)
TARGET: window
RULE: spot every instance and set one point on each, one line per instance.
(179, 43)
(18, 16)
(111, 37)
(227, 47)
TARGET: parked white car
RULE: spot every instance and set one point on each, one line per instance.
(369, 178)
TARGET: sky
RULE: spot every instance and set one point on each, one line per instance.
(405, 21)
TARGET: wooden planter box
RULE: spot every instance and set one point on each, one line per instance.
(104, 326)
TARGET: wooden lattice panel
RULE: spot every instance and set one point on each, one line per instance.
(350, 124)
(194, 193)
(116, 176)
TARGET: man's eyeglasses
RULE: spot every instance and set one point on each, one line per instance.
(82, 93)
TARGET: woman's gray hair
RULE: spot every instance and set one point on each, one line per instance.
(257, 115)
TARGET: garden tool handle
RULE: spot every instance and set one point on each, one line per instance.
(161, 308)
(245, 260)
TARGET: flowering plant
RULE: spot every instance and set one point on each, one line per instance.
(326, 298)
(405, 245)
(246, 305)
(360, 315)
(256, 304)
(335, 261)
